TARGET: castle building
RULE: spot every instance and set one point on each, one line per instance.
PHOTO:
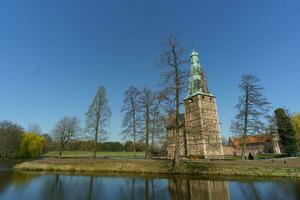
(199, 135)
(259, 143)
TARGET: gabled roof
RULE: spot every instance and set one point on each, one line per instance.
(251, 139)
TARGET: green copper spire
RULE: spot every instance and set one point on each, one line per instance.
(197, 82)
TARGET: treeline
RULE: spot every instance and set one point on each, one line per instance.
(144, 121)
(16, 143)
(79, 145)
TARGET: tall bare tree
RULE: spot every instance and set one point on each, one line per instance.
(145, 103)
(65, 129)
(98, 117)
(157, 119)
(174, 80)
(252, 108)
(130, 108)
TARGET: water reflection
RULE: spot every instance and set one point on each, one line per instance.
(190, 189)
(52, 188)
(15, 185)
(8, 178)
(279, 189)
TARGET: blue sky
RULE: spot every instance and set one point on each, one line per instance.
(54, 54)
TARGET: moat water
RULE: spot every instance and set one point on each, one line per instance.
(31, 186)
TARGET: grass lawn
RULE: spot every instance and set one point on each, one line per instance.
(80, 154)
(256, 168)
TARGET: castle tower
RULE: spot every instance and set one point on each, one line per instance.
(203, 136)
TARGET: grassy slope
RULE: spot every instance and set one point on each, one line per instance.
(229, 168)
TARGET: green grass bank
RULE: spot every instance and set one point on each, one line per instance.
(265, 168)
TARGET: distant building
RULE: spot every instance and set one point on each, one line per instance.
(199, 135)
(263, 143)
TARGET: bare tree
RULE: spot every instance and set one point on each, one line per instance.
(98, 117)
(252, 108)
(65, 130)
(130, 108)
(35, 128)
(146, 100)
(157, 119)
(174, 80)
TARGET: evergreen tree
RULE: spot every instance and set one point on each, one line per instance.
(296, 122)
(286, 132)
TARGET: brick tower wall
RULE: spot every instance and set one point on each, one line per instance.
(202, 127)
(171, 134)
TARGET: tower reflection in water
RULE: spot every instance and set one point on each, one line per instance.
(15, 185)
(192, 189)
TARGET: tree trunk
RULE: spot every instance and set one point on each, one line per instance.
(61, 149)
(60, 152)
(245, 123)
(134, 126)
(152, 134)
(96, 136)
(185, 143)
(95, 146)
(176, 154)
(134, 145)
(147, 132)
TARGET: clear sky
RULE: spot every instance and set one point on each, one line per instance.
(54, 54)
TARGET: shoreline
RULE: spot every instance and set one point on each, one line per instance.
(201, 168)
